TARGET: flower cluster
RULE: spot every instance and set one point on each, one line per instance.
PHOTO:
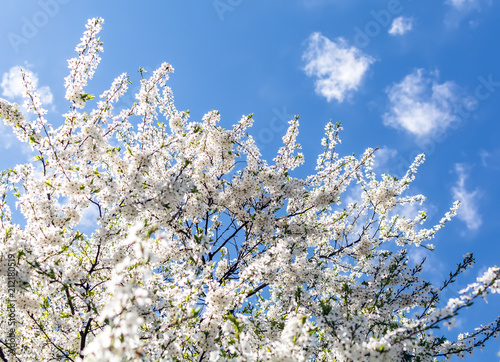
(202, 250)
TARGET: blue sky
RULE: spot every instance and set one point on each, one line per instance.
(405, 76)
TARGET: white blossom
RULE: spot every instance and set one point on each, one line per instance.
(199, 249)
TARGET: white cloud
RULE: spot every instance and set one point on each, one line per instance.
(338, 68)
(401, 25)
(468, 211)
(383, 157)
(484, 157)
(461, 9)
(421, 105)
(464, 5)
(490, 159)
(12, 85)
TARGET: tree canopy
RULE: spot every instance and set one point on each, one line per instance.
(201, 249)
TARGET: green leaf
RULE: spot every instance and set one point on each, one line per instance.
(87, 97)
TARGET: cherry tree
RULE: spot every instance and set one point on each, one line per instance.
(203, 251)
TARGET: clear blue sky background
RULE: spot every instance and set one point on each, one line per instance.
(405, 76)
